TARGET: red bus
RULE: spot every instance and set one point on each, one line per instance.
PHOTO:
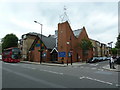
(11, 55)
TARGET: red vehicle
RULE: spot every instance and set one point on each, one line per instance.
(11, 55)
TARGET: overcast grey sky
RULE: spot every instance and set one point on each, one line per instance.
(99, 18)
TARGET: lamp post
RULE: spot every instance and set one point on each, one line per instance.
(110, 43)
(40, 42)
(71, 49)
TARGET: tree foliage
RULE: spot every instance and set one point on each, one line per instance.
(10, 40)
(114, 51)
(118, 42)
(86, 44)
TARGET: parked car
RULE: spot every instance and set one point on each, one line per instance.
(100, 59)
(93, 60)
(108, 58)
(118, 60)
(104, 58)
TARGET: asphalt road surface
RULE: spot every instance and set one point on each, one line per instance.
(21, 75)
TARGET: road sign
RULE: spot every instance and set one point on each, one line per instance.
(44, 55)
(62, 54)
(69, 54)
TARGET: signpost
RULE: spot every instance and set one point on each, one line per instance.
(71, 56)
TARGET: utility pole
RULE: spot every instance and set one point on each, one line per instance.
(110, 43)
(71, 49)
(40, 42)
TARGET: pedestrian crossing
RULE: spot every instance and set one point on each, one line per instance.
(94, 67)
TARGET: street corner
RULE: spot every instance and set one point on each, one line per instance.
(78, 64)
(107, 67)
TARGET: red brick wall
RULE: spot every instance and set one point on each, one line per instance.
(34, 55)
(64, 33)
(48, 56)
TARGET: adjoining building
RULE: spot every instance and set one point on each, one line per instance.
(25, 44)
(95, 47)
(100, 49)
(31, 43)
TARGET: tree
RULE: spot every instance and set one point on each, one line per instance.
(85, 45)
(10, 40)
(118, 42)
(117, 46)
(114, 51)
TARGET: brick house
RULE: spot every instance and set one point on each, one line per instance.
(46, 44)
(95, 49)
(99, 49)
(68, 43)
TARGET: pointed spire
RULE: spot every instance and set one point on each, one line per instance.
(64, 16)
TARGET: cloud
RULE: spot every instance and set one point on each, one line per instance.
(59, 1)
(100, 19)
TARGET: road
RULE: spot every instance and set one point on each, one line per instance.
(21, 75)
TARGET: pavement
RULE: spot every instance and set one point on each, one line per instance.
(54, 64)
(107, 67)
(77, 64)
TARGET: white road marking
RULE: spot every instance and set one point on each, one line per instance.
(93, 68)
(96, 80)
(89, 78)
(103, 81)
(56, 72)
(117, 85)
(100, 69)
(33, 68)
(52, 72)
(82, 77)
(29, 67)
(93, 64)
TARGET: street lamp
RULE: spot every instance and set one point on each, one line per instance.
(110, 43)
(40, 42)
(71, 49)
